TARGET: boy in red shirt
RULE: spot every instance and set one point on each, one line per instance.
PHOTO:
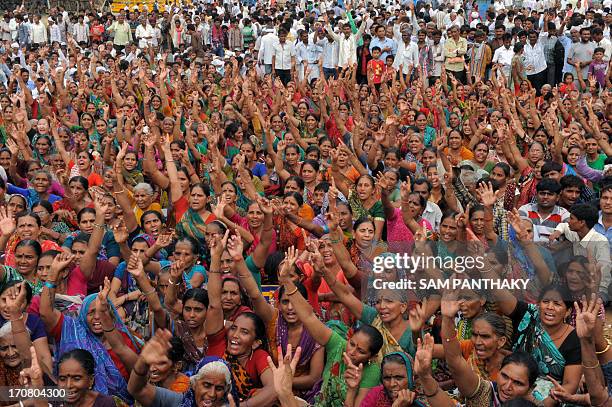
(376, 68)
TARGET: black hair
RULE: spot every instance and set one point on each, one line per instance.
(152, 212)
(376, 339)
(300, 287)
(195, 247)
(423, 181)
(314, 164)
(587, 213)
(85, 359)
(260, 328)
(422, 200)
(230, 183)
(30, 243)
(196, 294)
(26, 286)
(81, 238)
(504, 167)
(49, 253)
(84, 211)
(549, 185)
(569, 181)
(45, 204)
(550, 166)
(177, 349)
(299, 181)
(25, 214)
(360, 221)
(524, 359)
(299, 199)
(566, 295)
(322, 186)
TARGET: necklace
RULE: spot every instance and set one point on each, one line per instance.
(562, 334)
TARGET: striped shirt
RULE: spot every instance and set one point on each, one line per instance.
(544, 227)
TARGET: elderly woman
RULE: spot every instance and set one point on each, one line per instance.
(143, 198)
(212, 385)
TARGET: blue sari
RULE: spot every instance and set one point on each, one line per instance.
(77, 335)
(533, 339)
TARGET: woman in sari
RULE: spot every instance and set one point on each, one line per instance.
(541, 330)
(39, 189)
(52, 227)
(212, 384)
(289, 234)
(388, 315)
(233, 299)
(365, 201)
(361, 348)
(398, 384)
(86, 392)
(528, 167)
(365, 247)
(194, 220)
(244, 345)
(99, 330)
(284, 328)
(77, 197)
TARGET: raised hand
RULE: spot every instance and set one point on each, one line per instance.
(405, 191)
(135, 267)
(449, 305)
(424, 355)
(15, 301)
(60, 262)
(417, 316)
(488, 197)
(32, 376)
(283, 374)
(291, 256)
(586, 315)
(352, 375)
(217, 244)
(235, 246)
(7, 223)
(265, 206)
(104, 290)
(156, 349)
(120, 232)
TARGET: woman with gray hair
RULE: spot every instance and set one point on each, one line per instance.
(212, 385)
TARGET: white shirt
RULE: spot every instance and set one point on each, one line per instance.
(145, 35)
(535, 60)
(347, 47)
(607, 46)
(39, 33)
(81, 32)
(55, 33)
(266, 48)
(503, 57)
(593, 242)
(283, 55)
(408, 56)
(433, 215)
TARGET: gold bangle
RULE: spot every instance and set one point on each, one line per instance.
(591, 367)
(293, 292)
(605, 350)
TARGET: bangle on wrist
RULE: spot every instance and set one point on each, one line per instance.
(172, 282)
(50, 285)
(292, 292)
(99, 226)
(149, 292)
(605, 350)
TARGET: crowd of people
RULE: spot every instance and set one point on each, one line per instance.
(196, 201)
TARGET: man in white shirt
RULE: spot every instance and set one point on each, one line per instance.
(503, 57)
(39, 32)
(266, 47)
(535, 60)
(347, 42)
(80, 31)
(144, 33)
(407, 55)
(5, 28)
(283, 58)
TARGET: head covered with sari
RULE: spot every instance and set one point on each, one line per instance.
(76, 334)
(380, 396)
(214, 365)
